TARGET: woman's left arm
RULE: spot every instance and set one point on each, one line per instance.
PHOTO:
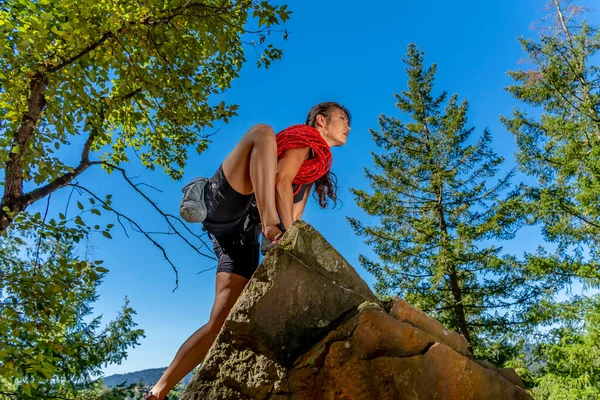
(287, 168)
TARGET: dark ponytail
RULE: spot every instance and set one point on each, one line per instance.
(325, 186)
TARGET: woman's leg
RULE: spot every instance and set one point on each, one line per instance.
(190, 354)
(252, 167)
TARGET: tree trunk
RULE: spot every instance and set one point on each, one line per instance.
(459, 309)
(454, 285)
(14, 170)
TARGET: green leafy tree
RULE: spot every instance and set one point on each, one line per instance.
(438, 204)
(116, 77)
(559, 138)
(571, 355)
(51, 347)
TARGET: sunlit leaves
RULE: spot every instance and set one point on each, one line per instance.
(134, 75)
(51, 347)
(120, 78)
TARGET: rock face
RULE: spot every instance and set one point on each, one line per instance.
(308, 327)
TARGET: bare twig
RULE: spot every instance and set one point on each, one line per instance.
(131, 221)
(206, 270)
(39, 243)
(167, 217)
(150, 186)
(69, 201)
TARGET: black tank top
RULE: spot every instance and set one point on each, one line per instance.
(300, 195)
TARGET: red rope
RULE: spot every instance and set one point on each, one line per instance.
(297, 136)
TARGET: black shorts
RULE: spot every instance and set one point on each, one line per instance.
(233, 224)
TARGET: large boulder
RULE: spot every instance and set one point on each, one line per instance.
(308, 327)
(375, 356)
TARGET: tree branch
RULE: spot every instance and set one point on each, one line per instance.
(14, 198)
(63, 180)
(166, 216)
(103, 38)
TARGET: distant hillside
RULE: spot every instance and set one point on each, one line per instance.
(147, 376)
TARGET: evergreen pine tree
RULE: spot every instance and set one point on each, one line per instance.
(438, 205)
(560, 147)
(558, 140)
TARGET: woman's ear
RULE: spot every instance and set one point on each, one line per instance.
(321, 120)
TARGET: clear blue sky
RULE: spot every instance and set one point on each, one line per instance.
(343, 51)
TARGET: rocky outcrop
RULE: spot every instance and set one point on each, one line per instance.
(376, 356)
(308, 327)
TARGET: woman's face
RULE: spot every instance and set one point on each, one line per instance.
(336, 128)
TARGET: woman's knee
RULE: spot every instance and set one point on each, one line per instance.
(214, 325)
(262, 132)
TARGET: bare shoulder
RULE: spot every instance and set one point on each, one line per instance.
(290, 162)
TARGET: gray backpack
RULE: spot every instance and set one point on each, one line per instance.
(192, 207)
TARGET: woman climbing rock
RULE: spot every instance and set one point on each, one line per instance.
(262, 186)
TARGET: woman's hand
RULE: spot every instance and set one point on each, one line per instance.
(266, 241)
(273, 232)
